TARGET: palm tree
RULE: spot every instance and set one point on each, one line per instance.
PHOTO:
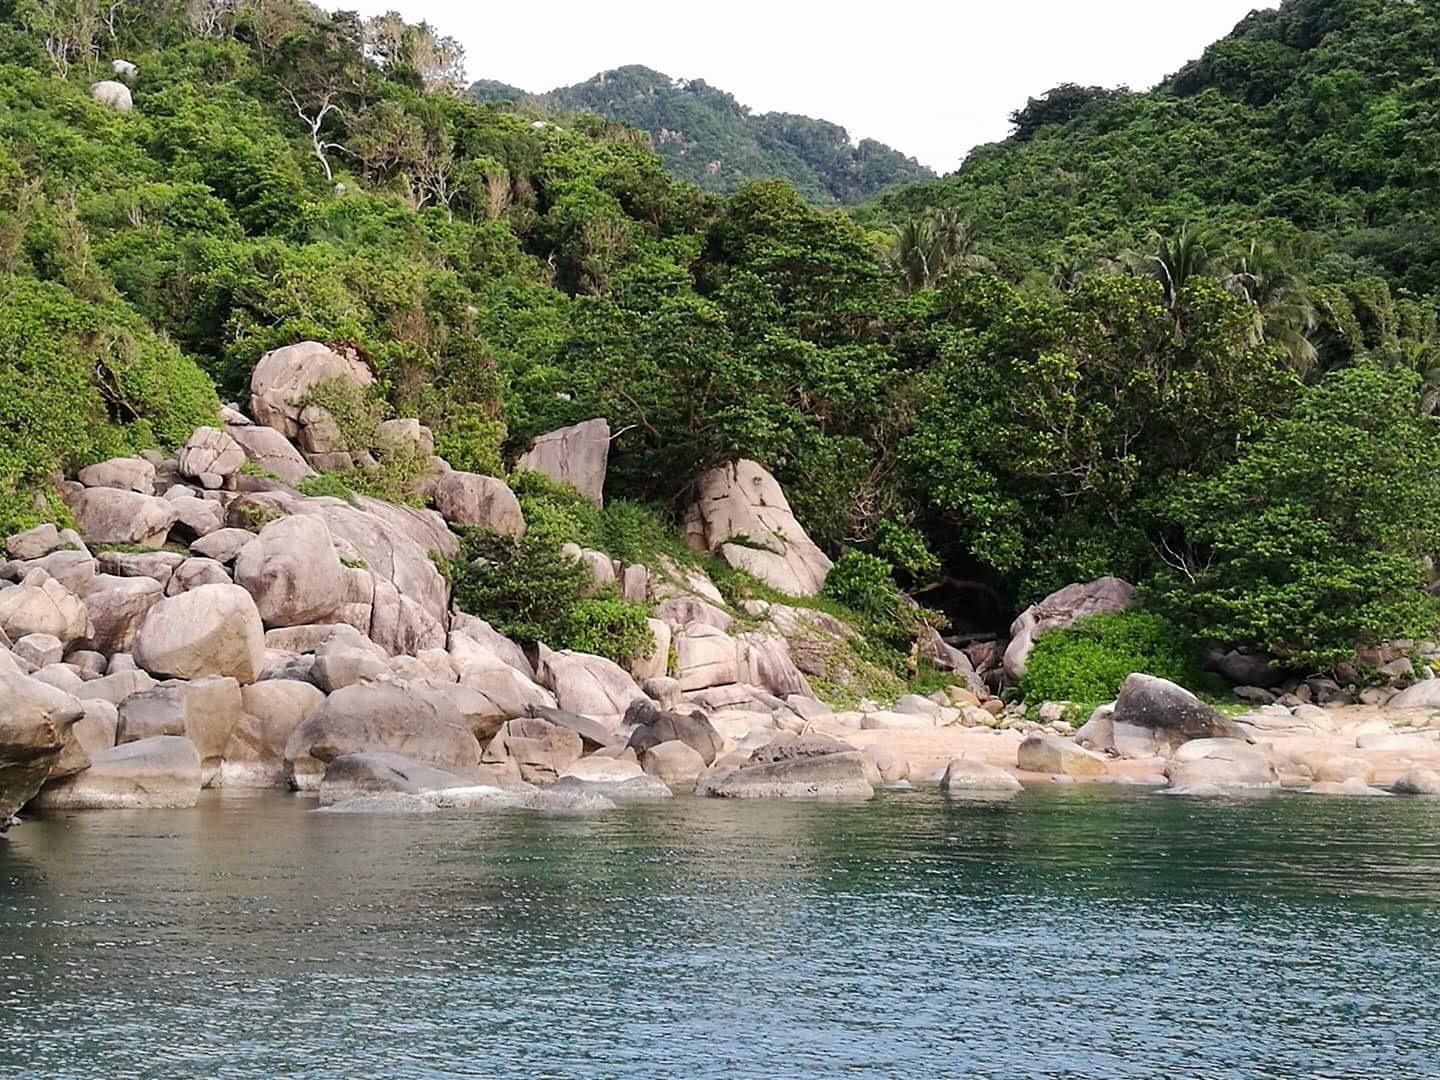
(928, 246)
(1264, 277)
(1189, 253)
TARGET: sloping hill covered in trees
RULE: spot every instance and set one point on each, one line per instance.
(1187, 338)
(704, 135)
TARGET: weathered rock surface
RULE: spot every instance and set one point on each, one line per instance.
(1418, 780)
(1060, 609)
(1046, 753)
(153, 774)
(1226, 763)
(1155, 716)
(964, 776)
(651, 727)
(464, 498)
(673, 763)
(117, 608)
(254, 756)
(271, 451)
(293, 572)
(354, 776)
(742, 515)
(704, 657)
(586, 684)
(106, 515)
(35, 723)
(539, 749)
(211, 630)
(282, 377)
(378, 717)
(212, 452)
(204, 710)
(576, 455)
(33, 543)
(832, 776)
(41, 605)
(123, 473)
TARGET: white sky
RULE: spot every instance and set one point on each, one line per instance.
(932, 79)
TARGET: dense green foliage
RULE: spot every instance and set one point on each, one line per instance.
(1087, 662)
(1187, 336)
(707, 137)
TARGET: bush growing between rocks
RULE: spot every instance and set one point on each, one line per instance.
(531, 593)
(1086, 663)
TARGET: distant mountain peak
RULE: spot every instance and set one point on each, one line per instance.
(706, 136)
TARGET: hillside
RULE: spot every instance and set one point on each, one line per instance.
(704, 135)
(1312, 125)
(974, 393)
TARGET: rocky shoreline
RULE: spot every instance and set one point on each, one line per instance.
(206, 624)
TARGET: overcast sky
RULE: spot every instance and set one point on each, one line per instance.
(931, 78)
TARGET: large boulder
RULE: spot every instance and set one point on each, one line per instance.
(1155, 716)
(157, 565)
(293, 572)
(765, 661)
(153, 774)
(271, 452)
(282, 378)
(395, 590)
(254, 756)
(539, 749)
(464, 498)
(586, 684)
(33, 543)
(204, 710)
(93, 732)
(123, 473)
(41, 605)
(378, 716)
(383, 776)
(208, 453)
(741, 514)
(593, 734)
(651, 727)
(72, 568)
(829, 776)
(1060, 609)
(1046, 753)
(577, 456)
(117, 608)
(704, 657)
(615, 778)
(192, 573)
(107, 515)
(467, 631)
(966, 777)
(346, 657)
(673, 763)
(1423, 695)
(488, 695)
(35, 723)
(212, 630)
(1222, 763)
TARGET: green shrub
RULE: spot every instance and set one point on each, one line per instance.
(864, 583)
(607, 626)
(532, 593)
(331, 484)
(471, 443)
(1086, 663)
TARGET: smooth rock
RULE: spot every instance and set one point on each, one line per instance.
(211, 630)
(153, 774)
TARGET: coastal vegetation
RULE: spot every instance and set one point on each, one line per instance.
(1186, 337)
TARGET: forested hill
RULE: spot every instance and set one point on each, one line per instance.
(707, 137)
(1187, 337)
(1316, 124)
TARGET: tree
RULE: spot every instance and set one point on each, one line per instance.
(1284, 314)
(1191, 252)
(66, 30)
(318, 71)
(1314, 540)
(927, 247)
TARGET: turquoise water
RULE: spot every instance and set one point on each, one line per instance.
(1080, 932)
